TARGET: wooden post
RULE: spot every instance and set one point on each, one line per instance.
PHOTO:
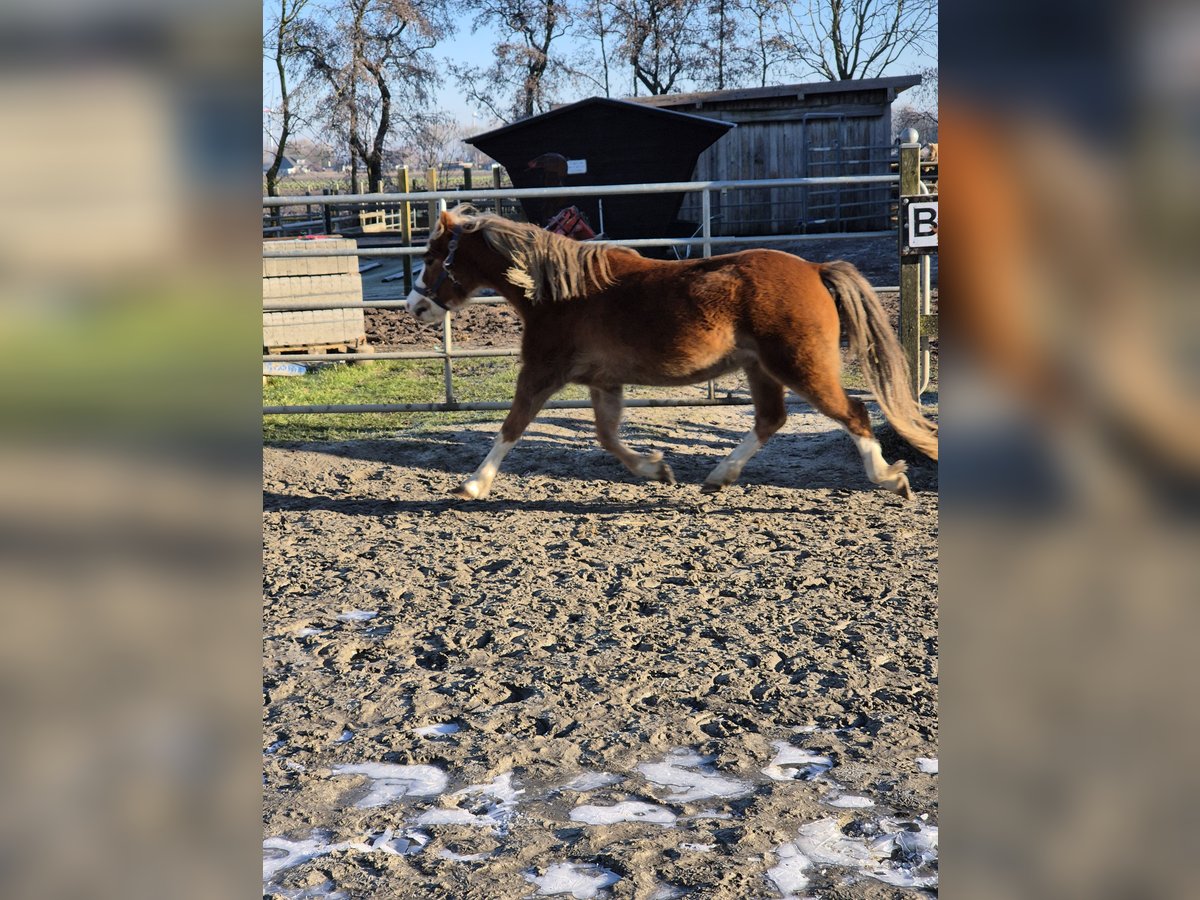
(467, 169)
(910, 266)
(432, 178)
(403, 184)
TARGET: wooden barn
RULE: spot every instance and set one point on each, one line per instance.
(795, 131)
(604, 141)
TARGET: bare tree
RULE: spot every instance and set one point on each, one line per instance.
(659, 39)
(842, 39)
(373, 56)
(279, 46)
(729, 60)
(596, 22)
(519, 82)
(766, 48)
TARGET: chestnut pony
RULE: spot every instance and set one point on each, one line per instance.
(605, 317)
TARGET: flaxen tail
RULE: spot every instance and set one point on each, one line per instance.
(874, 343)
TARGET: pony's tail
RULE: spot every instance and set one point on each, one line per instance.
(874, 343)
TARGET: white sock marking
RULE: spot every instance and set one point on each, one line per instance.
(481, 481)
(728, 470)
(872, 457)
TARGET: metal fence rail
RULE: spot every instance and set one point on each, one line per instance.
(447, 353)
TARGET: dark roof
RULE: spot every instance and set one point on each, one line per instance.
(895, 84)
(569, 108)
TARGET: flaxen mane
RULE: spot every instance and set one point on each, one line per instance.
(546, 265)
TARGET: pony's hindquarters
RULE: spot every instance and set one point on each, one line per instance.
(874, 343)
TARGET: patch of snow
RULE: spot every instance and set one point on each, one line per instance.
(346, 736)
(630, 811)
(927, 765)
(436, 730)
(486, 805)
(896, 855)
(698, 848)
(791, 763)
(281, 853)
(391, 782)
(583, 882)
(462, 857)
(667, 892)
(847, 801)
(323, 891)
(693, 777)
(357, 615)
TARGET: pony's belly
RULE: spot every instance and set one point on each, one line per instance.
(665, 374)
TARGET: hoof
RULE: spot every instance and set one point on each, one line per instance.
(903, 489)
(466, 491)
(665, 474)
(709, 488)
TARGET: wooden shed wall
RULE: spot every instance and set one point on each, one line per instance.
(785, 137)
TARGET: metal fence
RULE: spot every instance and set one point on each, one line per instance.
(704, 242)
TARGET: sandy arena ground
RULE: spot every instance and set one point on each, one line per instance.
(595, 686)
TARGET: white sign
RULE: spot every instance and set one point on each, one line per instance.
(576, 166)
(923, 223)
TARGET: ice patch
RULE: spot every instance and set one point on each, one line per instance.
(847, 801)
(323, 891)
(791, 763)
(667, 892)
(494, 806)
(896, 855)
(346, 736)
(309, 632)
(630, 811)
(788, 875)
(391, 782)
(275, 745)
(462, 857)
(590, 781)
(280, 853)
(698, 848)
(927, 765)
(690, 773)
(357, 615)
(582, 882)
(435, 730)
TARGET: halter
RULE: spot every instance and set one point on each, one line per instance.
(431, 292)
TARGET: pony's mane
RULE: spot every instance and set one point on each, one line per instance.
(547, 266)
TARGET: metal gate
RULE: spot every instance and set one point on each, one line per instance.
(705, 241)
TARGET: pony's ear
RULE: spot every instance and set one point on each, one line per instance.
(445, 221)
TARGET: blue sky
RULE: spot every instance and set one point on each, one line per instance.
(476, 49)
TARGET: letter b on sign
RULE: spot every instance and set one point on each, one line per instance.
(923, 223)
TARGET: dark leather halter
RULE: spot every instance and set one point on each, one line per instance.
(430, 293)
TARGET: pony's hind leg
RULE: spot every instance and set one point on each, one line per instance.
(769, 415)
(825, 392)
(606, 403)
(534, 388)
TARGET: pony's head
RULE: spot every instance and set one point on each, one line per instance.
(469, 252)
(445, 283)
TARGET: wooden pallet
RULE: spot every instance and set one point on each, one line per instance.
(322, 349)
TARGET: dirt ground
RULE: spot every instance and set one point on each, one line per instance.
(592, 686)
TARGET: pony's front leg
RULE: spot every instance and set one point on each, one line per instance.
(534, 388)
